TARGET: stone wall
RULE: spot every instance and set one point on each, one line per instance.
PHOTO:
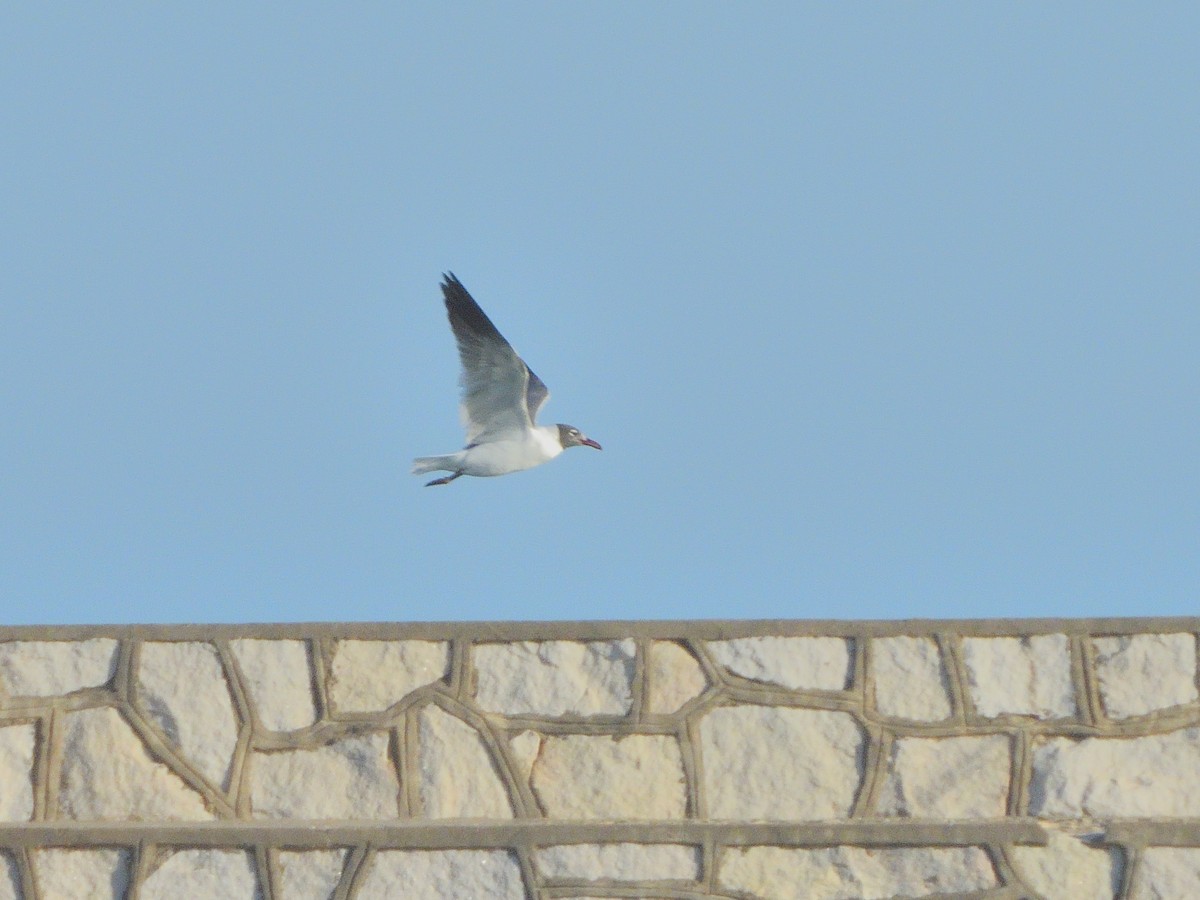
(813, 760)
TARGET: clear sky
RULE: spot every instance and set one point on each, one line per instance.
(879, 310)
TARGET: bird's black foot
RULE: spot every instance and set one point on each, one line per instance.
(446, 480)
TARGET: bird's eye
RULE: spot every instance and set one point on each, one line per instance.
(574, 432)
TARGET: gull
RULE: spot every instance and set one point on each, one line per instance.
(500, 403)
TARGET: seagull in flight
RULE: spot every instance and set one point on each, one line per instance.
(501, 399)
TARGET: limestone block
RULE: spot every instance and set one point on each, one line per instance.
(1097, 777)
(443, 875)
(310, 874)
(1024, 676)
(457, 776)
(639, 776)
(17, 745)
(1139, 673)
(1167, 873)
(349, 779)
(47, 668)
(798, 663)
(620, 862)
(279, 682)
(1068, 868)
(855, 873)
(524, 749)
(767, 762)
(10, 878)
(555, 678)
(910, 681)
(370, 676)
(100, 874)
(108, 774)
(947, 778)
(182, 689)
(674, 677)
(228, 874)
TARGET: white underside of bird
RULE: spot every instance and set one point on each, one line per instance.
(524, 450)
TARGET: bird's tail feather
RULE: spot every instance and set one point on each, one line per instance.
(423, 464)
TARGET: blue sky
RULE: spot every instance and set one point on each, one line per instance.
(881, 310)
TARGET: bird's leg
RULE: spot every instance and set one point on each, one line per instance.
(446, 480)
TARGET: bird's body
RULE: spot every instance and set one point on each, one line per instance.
(501, 399)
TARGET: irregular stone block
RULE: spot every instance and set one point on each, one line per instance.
(1167, 873)
(370, 676)
(228, 874)
(555, 678)
(797, 663)
(10, 878)
(1068, 868)
(108, 774)
(778, 763)
(443, 875)
(639, 776)
(47, 668)
(310, 874)
(349, 779)
(458, 778)
(620, 862)
(948, 778)
(856, 873)
(279, 682)
(910, 681)
(1024, 676)
(71, 874)
(1096, 777)
(17, 745)
(1139, 673)
(183, 692)
(674, 677)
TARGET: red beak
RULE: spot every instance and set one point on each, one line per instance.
(588, 442)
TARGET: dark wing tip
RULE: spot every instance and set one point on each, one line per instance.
(464, 312)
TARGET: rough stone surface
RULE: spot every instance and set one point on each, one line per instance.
(600, 777)
(910, 681)
(1140, 673)
(798, 663)
(1068, 868)
(620, 862)
(457, 776)
(443, 875)
(10, 879)
(98, 874)
(182, 689)
(310, 874)
(856, 873)
(808, 768)
(107, 774)
(1024, 676)
(279, 682)
(349, 779)
(17, 744)
(948, 778)
(47, 668)
(1158, 775)
(674, 677)
(228, 874)
(370, 676)
(1167, 873)
(556, 678)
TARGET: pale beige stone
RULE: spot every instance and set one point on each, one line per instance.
(948, 778)
(910, 681)
(778, 763)
(1158, 775)
(443, 875)
(524, 749)
(279, 682)
(1141, 673)
(674, 677)
(855, 873)
(1167, 873)
(1024, 676)
(555, 678)
(10, 878)
(47, 668)
(351, 778)
(457, 776)
(107, 774)
(17, 745)
(639, 776)
(370, 676)
(182, 689)
(620, 862)
(310, 874)
(798, 663)
(1067, 868)
(227, 874)
(100, 874)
